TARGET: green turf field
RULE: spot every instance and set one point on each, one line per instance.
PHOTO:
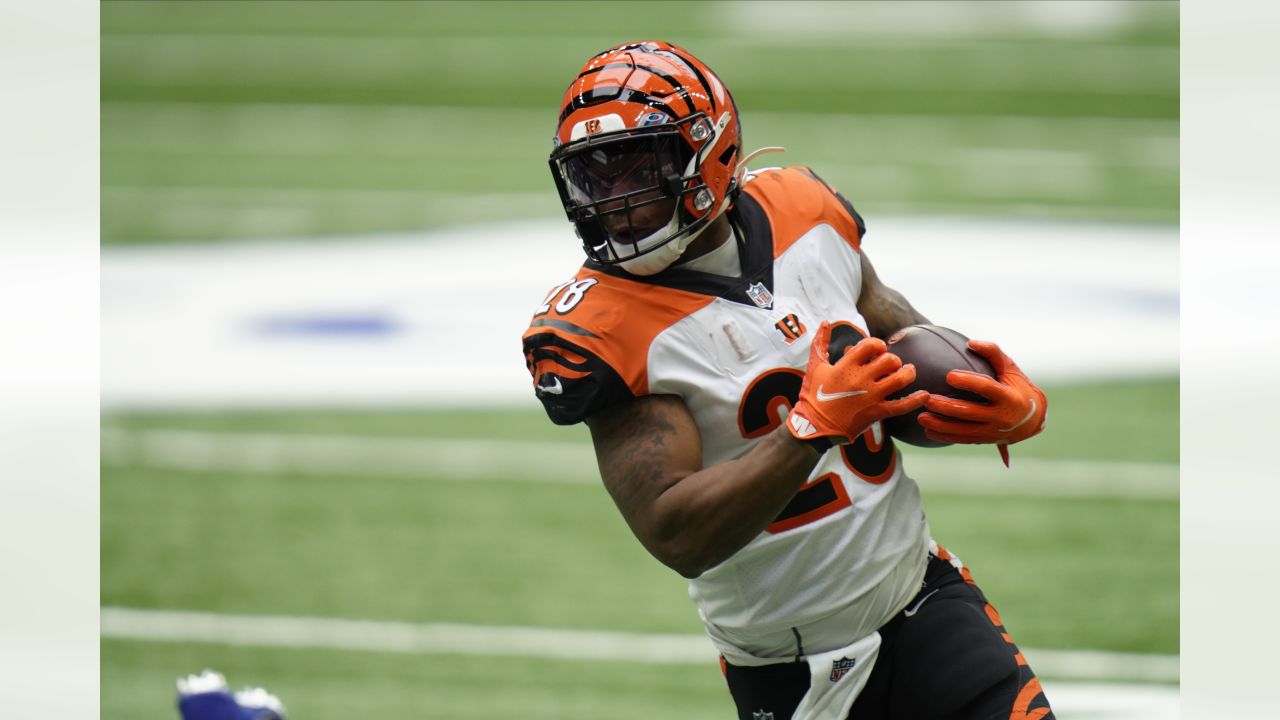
(231, 120)
(1085, 573)
(333, 685)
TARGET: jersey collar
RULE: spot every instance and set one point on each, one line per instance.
(755, 249)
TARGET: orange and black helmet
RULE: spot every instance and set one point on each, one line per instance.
(646, 150)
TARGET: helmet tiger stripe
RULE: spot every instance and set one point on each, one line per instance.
(644, 97)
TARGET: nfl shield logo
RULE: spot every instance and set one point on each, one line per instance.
(760, 295)
(761, 715)
(841, 667)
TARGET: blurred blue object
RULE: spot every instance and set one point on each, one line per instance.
(320, 324)
(207, 697)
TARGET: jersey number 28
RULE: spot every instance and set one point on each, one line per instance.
(764, 406)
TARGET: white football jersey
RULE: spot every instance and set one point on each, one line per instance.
(853, 541)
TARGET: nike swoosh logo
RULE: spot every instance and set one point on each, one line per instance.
(827, 397)
(1018, 424)
(556, 389)
(916, 608)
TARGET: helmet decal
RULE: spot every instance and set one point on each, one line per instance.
(653, 118)
(596, 125)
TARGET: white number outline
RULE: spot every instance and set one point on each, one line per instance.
(546, 301)
(573, 291)
(574, 294)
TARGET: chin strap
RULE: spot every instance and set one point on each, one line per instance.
(740, 171)
(738, 174)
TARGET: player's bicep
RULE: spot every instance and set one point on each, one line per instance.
(885, 309)
(644, 447)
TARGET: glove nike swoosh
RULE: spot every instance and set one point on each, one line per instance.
(827, 397)
(1018, 424)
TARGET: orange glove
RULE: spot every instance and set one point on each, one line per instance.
(1015, 408)
(839, 401)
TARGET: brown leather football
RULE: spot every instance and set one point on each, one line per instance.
(935, 351)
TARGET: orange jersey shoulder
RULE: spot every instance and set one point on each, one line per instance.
(587, 346)
(795, 200)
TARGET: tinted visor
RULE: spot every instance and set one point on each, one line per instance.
(623, 167)
(622, 191)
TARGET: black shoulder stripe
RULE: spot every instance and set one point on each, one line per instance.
(848, 206)
(538, 354)
(862, 226)
(563, 325)
(809, 171)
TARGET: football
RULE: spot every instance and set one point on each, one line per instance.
(935, 351)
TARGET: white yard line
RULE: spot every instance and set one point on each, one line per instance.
(534, 642)
(574, 463)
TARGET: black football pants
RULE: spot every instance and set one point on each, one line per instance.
(950, 659)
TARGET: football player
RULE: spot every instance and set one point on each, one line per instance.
(722, 342)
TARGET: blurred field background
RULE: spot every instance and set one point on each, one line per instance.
(231, 122)
(224, 120)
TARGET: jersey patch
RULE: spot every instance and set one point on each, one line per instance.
(760, 295)
(790, 327)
